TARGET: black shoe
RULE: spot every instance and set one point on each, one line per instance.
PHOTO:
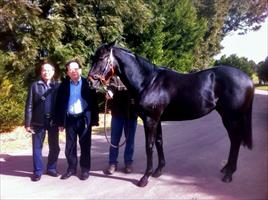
(36, 178)
(68, 174)
(84, 175)
(53, 173)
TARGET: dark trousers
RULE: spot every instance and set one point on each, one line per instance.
(37, 144)
(78, 127)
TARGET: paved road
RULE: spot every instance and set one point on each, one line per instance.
(195, 152)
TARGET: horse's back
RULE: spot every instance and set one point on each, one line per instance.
(195, 95)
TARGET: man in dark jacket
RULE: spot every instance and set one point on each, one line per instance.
(40, 117)
(77, 112)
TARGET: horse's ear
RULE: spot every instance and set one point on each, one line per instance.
(111, 44)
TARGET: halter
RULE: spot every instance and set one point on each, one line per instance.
(109, 67)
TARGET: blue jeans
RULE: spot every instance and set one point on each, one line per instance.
(117, 126)
(37, 144)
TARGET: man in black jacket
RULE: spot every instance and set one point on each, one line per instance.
(77, 112)
(40, 117)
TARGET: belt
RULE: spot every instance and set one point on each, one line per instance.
(75, 115)
(47, 115)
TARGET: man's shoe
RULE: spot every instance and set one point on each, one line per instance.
(128, 169)
(36, 177)
(53, 173)
(68, 174)
(84, 175)
(111, 169)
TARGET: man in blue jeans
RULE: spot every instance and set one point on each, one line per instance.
(124, 116)
(40, 118)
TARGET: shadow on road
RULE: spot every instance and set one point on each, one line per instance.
(15, 165)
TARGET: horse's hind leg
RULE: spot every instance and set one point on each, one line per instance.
(160, 152)
(234, 128)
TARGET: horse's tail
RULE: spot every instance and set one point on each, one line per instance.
(247, 126)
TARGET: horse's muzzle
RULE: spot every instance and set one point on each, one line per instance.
(96, 81)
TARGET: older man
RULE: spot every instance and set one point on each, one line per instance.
(77, 112)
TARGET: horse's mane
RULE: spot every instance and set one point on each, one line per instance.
(141, 60)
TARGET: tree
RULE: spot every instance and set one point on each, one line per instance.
(166, 40)
(26, 37)
(180, 34)
(34, 31)
(262, 71)
(239, 62)
(214, 12)
(245, 15)
(223, 17)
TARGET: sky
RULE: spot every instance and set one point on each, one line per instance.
(253, 45)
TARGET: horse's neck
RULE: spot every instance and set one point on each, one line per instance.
(132, 73)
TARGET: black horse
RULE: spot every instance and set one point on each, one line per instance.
(165, 95)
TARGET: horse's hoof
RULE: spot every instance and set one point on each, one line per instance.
(142, 182)
(227, 178)
(157, 173)
(224, 170)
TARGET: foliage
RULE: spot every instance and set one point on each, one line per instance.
(223, 17)
(12, 98)
(180, 34)
(245, 15)
(166, 40)
(262, 87)
(239, 62)
(262, 70)
(214, 12)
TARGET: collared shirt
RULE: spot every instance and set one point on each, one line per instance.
(76, 104)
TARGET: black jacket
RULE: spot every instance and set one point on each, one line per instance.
(87, 93)
(122, 104)
(35, 103)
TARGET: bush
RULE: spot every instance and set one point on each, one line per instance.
(262, 71)
(11, 114)
(12, 101)
(241, 63)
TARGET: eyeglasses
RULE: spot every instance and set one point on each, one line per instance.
(73, 69)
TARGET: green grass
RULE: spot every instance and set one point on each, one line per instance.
(261, 87)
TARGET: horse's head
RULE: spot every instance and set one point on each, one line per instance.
(103, 65)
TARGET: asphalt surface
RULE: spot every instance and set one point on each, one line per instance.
(195, 152)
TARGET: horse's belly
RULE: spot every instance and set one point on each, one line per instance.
(175, 113)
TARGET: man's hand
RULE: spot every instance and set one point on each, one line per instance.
(29, 130)
(109, 94)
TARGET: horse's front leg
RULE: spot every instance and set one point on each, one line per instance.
(160, 152)
(150, 128)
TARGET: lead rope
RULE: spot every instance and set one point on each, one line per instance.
(105, 130)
